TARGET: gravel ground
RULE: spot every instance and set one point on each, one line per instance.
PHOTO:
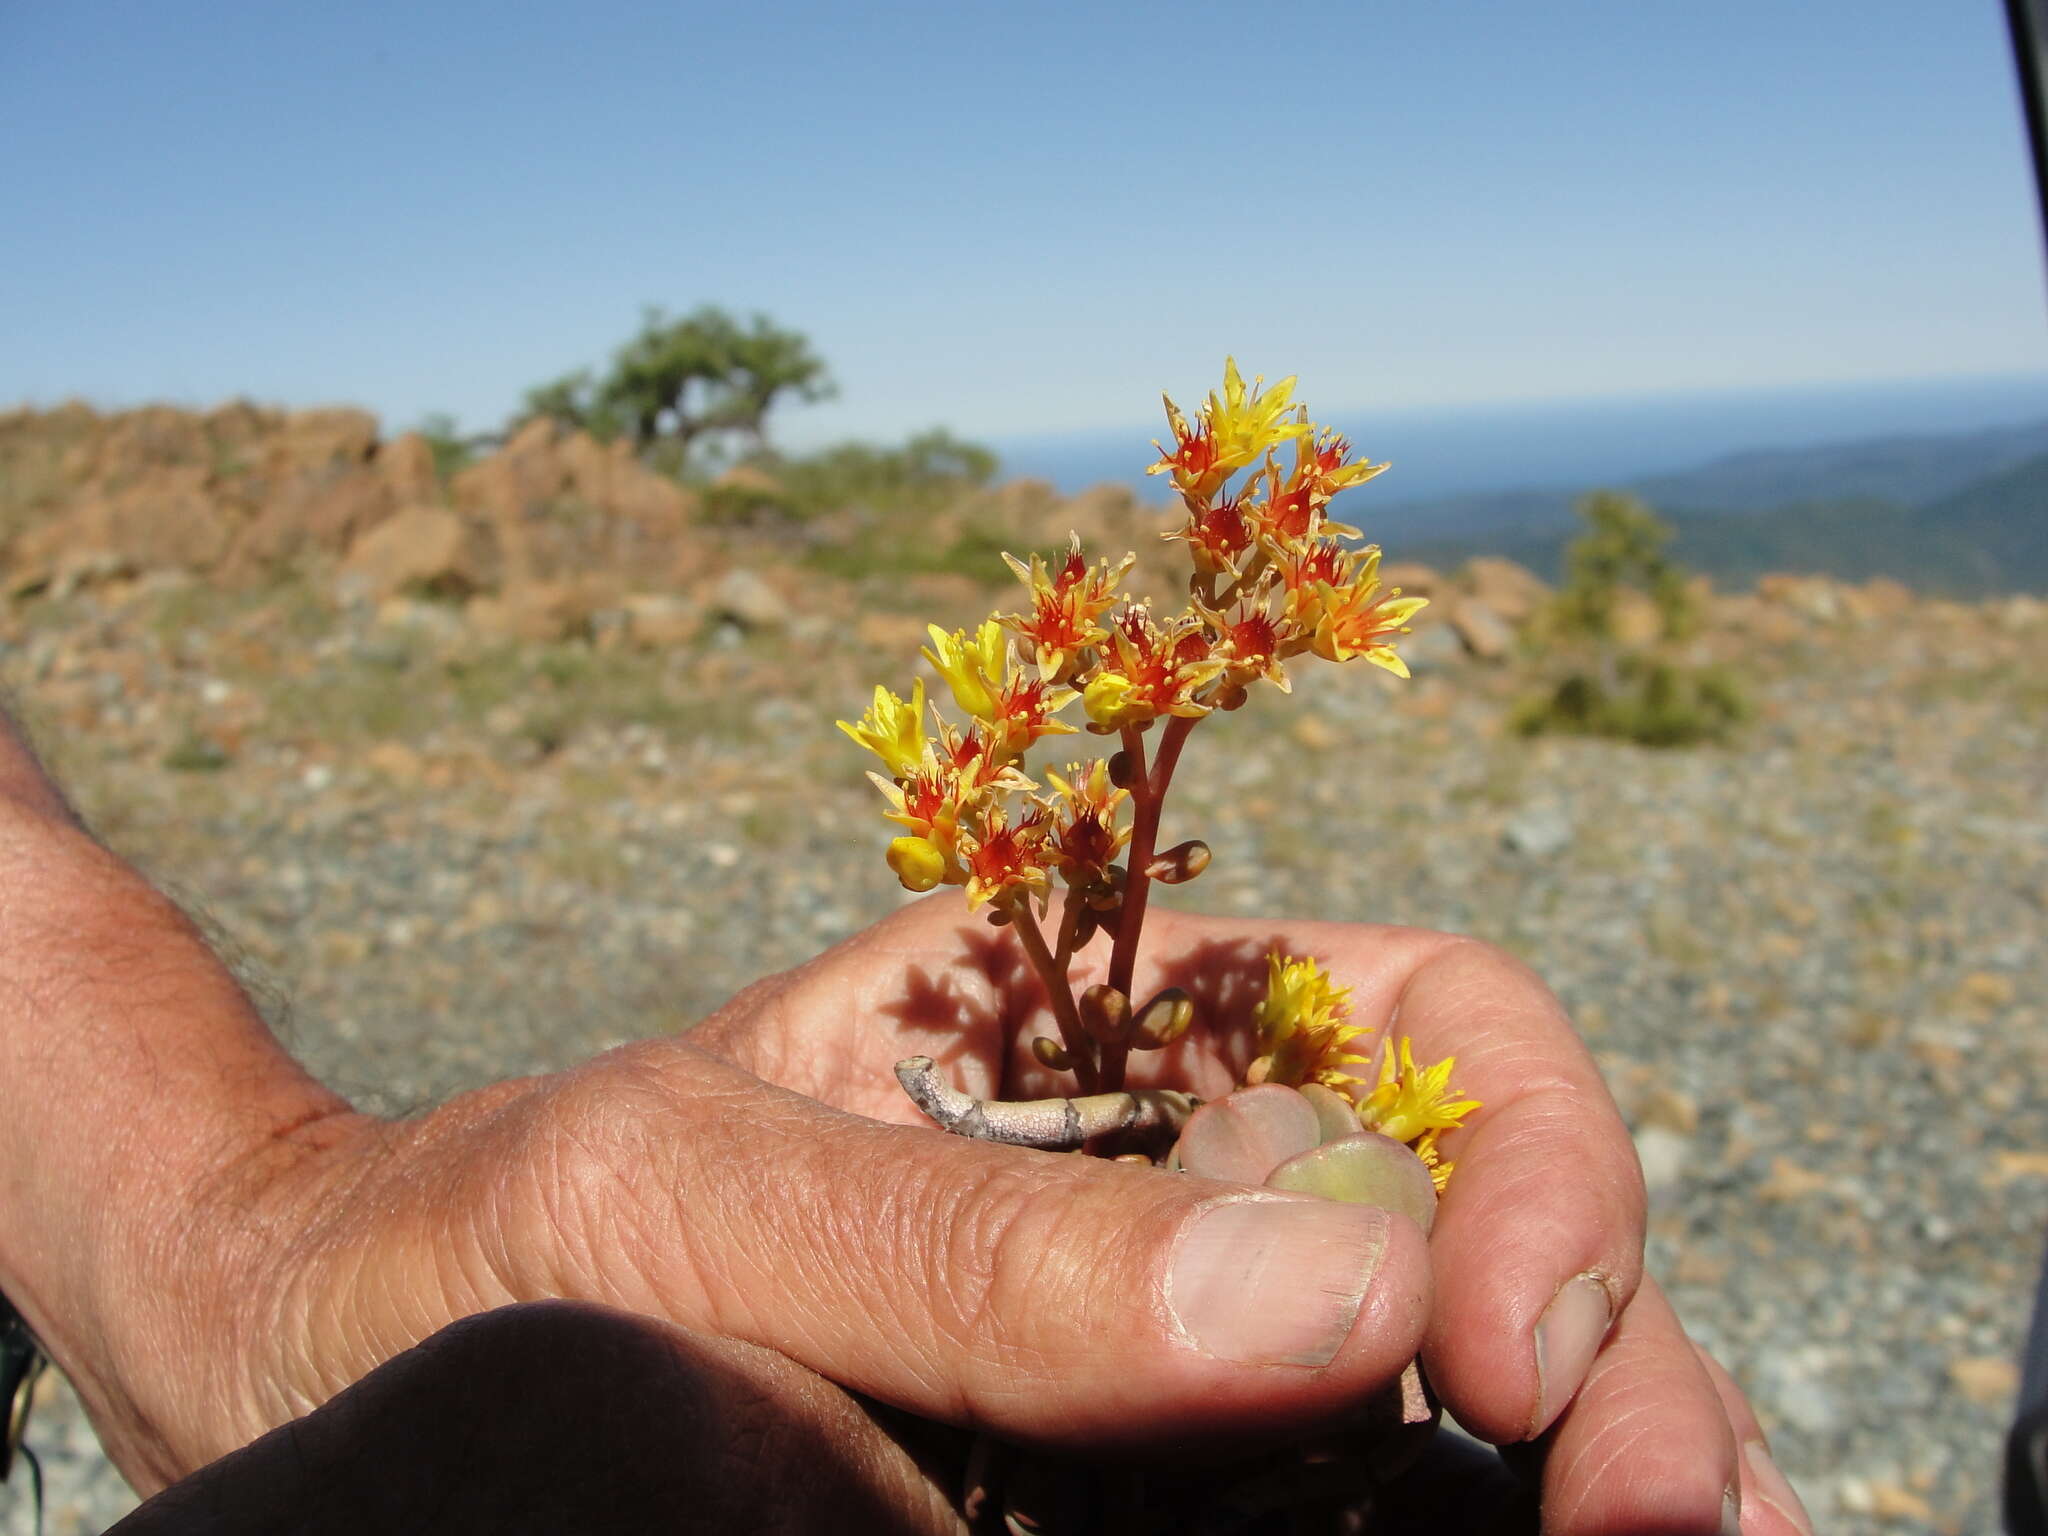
(1810, 962)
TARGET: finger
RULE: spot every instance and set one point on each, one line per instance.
(1064, 1300)
(566, 1418)
(1770, 1505)
(1538, 1242)
(1646, 1445)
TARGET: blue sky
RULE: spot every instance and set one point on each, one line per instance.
(1013, 219)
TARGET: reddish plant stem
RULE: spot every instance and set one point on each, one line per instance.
(1070, 927)
(1148, 793)
(1060, 994)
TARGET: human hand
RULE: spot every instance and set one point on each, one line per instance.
(283, 1246)
(1542, 1327)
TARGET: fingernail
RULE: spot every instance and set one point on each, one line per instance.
(1731, 1513)
(1568, 1335)
(1275, 1282)
(1774, 1488)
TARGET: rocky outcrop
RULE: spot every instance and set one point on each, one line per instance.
(552, 528)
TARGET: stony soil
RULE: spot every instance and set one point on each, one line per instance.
(1809, 961)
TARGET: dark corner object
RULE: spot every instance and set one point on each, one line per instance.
(2026, 1451)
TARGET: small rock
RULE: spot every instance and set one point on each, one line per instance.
(1990, 1380)
(1664, 1154)
(1511, 591)
(1537, 832)
(1483, 632)
(1672, 1110)
(889, 633)
(1790, 1180)
(1313, 732)
(1889, 1501)
(395, 760)
(1413, 577)
(1985, 991)
(657, 621)
(530, 610)
(746, 597)
(2009, 1167)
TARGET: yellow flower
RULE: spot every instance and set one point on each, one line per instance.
(893, 730)
(1411, 1103)
(1065, 605)
(1024, 711)
(1088, 838)
(1150, 669)
(1234, 429)
(1356, 620)
(1439, 1170)
(973, 669)
(1110, 700)
(1005, 863)
(1247, 422)
(1303, 1033)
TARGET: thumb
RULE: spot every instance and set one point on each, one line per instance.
(1052, 1298)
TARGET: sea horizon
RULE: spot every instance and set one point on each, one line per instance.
(1441, 451)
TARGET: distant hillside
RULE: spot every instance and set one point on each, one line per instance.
(1965, 514)
(2002, 524)
(1912, 471)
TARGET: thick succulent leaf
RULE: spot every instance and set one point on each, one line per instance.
(1336, 1115)
(1247, 1134)
(1365, 1169)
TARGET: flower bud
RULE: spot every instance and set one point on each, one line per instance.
(1106, 1013)
(1111, 700)
(917, 862)
(1051, 1053)
(1164, 1020)
(1120, 769)
(1106, 894)
(1180, 864)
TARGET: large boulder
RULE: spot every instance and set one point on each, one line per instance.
(406, 466)
(1483, 633)
(317, 438)
(165, 519)
(420, 549)
(1513, 592)
(540, 610)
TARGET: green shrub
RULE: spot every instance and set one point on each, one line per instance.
(1651, 702)
(928, 473)
(1601, 687)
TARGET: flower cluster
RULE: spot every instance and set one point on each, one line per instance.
(1273, 579)
(1304, 1036)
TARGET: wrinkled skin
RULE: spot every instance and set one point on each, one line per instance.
(212, 1245)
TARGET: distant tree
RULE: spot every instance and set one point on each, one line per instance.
(678, 380)
(1623, 546)
(1608, 688)
(452, 451)
(570, 400)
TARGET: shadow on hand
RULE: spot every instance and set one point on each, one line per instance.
(1226, 981)
(561, 1417)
